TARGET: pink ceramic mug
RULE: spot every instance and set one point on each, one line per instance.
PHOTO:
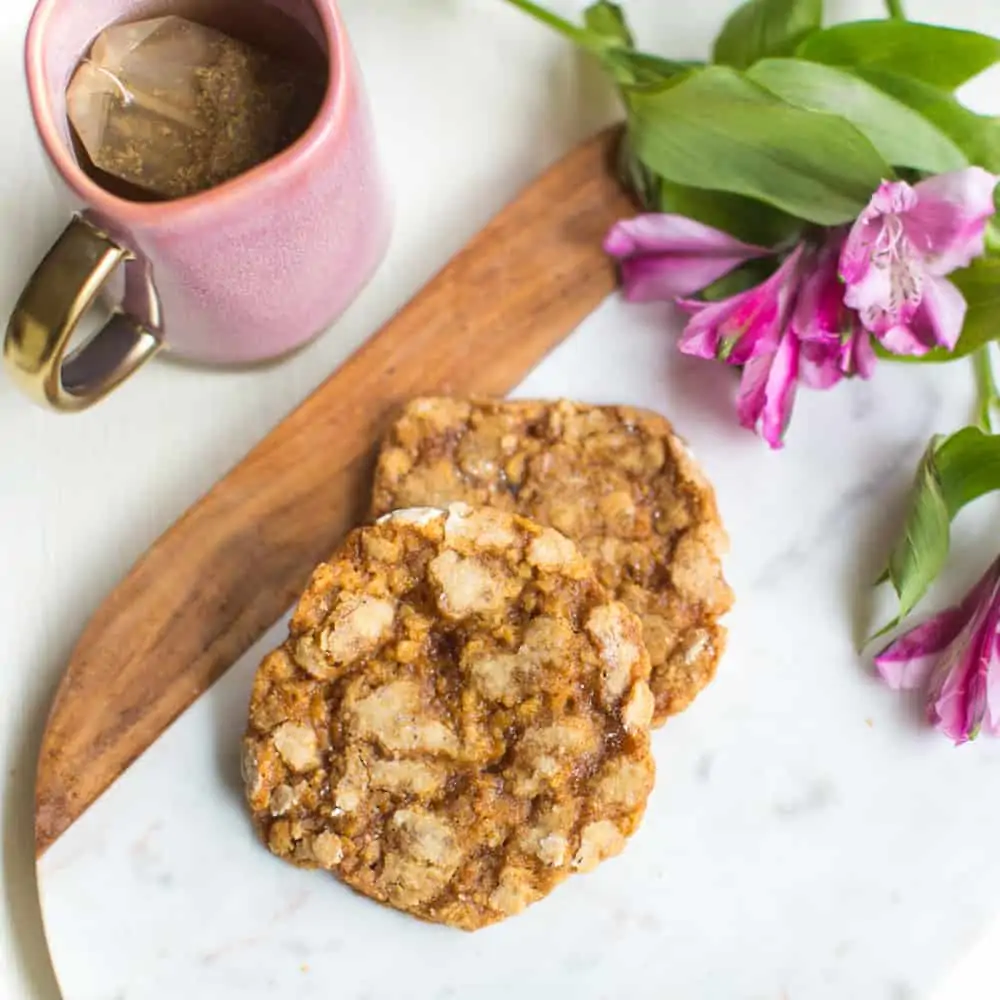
(246, 271)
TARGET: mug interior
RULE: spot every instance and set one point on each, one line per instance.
(70, 27)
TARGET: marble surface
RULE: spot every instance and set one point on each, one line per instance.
(807, 838)
(82, 497)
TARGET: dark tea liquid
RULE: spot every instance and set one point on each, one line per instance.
(260, 92)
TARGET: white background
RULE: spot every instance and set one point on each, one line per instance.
(472, 101)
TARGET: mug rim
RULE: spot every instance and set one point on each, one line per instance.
(242, 188)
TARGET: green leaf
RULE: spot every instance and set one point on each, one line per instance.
(968, 466)
(904, 137)
(719, 131)
(987, 394)
(944, 57)
(608, 20)
(631, 67)
(746, 276)
(980, 285)
(747, 220)
(922, 552)
(978, 136)
(762, 28)
(954, 472)
(635, 177)
(993, 234)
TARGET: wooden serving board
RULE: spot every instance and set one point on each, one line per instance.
(229, 568)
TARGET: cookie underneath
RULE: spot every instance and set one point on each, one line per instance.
(615, 479)
(458, 721)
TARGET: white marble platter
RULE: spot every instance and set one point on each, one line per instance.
(808, 838)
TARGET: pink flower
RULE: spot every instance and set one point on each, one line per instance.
(795, 326)
(900, 249)
(834, 342)
(767, 390)
(752, 330)
(957, 656)
(663, 256)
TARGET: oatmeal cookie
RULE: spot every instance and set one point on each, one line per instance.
(458, 720)
(616, 480)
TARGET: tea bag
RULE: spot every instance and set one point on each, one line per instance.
(176, 107)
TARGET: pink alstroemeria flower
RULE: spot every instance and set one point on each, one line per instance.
(834, 342)
(793, 327)
(664, 256)
(957, 655)
(900, 249)
(752, 330)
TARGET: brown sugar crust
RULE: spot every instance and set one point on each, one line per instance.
(615, 479)
(458, 721)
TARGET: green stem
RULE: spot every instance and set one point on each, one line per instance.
(895, 9)
(992, 238)
(574, 33)
(986, 389)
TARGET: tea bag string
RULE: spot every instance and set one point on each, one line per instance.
(147, 101)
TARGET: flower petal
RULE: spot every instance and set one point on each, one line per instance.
(958, 650)
(820, 306)
(756, 328)
(978, 678)
(892, 198)
(992, 721)
(959, 691)
(903, 341)
(983, 708)
(743, 326)
(659, 233)
(856, 257)
(753, 388)
(907, 661)
(862, 358)
(889, 293)
(883, 270)
(957, 704)
(833, 341)
(752, 331)
(820, 364)
(692, 306)
(701, 334)
(779, 395)
(662, 277)
(948, 222)
(664, 256)
(767, 391)
(941, 315)
(947, 707)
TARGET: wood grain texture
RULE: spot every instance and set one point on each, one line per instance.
(235, 562)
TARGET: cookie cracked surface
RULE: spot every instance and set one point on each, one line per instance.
(458, 721)
(615, 479)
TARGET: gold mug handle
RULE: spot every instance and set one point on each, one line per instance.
(64, 286)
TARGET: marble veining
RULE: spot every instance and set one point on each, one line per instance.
(803, 841)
